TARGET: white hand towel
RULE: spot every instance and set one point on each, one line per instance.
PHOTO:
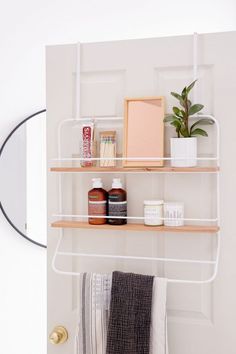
(158, 333)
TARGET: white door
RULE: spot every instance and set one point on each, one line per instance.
(201, 318)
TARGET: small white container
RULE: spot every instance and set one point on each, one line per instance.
(153, 212)
(174, 214)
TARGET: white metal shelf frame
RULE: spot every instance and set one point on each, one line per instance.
(214, 263)
(58, 252)
(86, 216)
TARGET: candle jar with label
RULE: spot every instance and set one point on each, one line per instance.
(153, 212)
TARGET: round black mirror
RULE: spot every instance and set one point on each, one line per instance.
(23, 178)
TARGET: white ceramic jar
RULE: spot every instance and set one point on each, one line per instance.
(174, 214)
(183, 152)
(153, 212)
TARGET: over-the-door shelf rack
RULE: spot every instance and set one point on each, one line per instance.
(65, 221)
(62, 221)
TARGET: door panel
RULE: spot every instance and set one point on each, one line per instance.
(200, 317)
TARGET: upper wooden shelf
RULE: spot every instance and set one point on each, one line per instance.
(135, 227)
(125, 169)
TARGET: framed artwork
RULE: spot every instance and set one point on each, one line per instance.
(143, 131)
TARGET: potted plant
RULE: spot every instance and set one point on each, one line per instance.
(184, 146)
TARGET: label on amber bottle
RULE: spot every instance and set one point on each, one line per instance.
(97, 207)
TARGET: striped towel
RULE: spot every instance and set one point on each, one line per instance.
(94, 303)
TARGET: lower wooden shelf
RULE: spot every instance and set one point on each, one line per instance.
(135, 227)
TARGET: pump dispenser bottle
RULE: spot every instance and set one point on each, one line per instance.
(97, 203)
(117, 203)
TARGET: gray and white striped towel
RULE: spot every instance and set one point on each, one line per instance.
(94, 303)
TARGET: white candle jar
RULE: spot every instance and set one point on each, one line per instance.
(174, 214)
(153, 212)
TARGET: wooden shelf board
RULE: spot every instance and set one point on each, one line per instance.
(135, 227)
(126, 169)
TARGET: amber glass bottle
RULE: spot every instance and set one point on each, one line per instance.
(97, 203)
(117, 203)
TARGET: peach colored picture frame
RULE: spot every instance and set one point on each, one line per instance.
(143, 131)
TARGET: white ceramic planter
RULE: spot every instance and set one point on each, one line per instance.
(183, 152)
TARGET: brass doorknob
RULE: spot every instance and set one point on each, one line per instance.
(59, 335)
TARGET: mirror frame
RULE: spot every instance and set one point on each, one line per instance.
(1, 206)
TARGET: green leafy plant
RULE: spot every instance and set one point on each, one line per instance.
(179, 119)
